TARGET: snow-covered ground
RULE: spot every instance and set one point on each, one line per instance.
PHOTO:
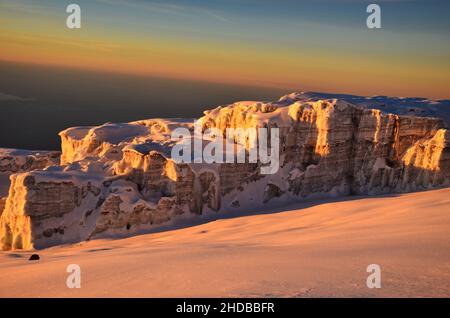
(317, 248)
(409, 106)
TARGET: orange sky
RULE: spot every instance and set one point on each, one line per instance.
(372, 66)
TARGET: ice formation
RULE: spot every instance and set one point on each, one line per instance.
(120, 178)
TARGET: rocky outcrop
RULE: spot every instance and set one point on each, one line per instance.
(118, 179)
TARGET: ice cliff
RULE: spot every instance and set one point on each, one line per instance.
(120, 178)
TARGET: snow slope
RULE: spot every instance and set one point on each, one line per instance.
(316, 248)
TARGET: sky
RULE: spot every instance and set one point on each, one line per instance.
(319, 45)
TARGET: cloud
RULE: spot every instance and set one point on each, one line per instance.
(7, 98)
(27, 7)
(41, 40)
(168, 8)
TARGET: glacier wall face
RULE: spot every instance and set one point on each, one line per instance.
(118, 179)
(333, 146)
(16, 160)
